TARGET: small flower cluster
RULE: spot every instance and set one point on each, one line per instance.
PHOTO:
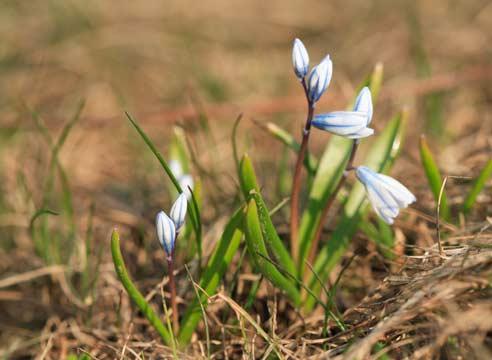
(386, 195)
(168, 227)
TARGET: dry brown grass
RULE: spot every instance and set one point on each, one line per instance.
(166, 64)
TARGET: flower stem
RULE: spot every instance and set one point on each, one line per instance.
(172, 290)
(329, 203)
(296, 182)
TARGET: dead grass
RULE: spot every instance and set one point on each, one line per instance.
(167, 65)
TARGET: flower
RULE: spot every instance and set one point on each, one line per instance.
(176, 168)
(185, 181)
(363, 103)
(300, 59)
(386, 195)
(345, 123)
(178, 211)
(319, 79)
(166, 232)
(351, 124)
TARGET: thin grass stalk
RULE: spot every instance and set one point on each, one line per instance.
(296, 182)
(172, 291)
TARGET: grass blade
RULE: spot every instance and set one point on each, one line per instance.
(194, 209)
(433, 176)
(133, 293)
(477, 187)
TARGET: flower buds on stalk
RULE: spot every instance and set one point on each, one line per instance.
(319, 79)
(178, 211)
(386, 195)
(300, 59)
(166, 232)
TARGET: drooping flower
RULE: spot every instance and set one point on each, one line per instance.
(386, 195)
(345, 123)
(178, 211)
(166, 232)
(351, 124)
(300, 59)
(319, 79)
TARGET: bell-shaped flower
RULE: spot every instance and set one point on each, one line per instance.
(386, 195)
(178, 211)
(300, 59)
(351, 124)
(166, 232)
(319, 79)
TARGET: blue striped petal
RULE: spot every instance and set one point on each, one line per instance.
(178, 211)
(340, 122)
(166, 232)
(300, 59)
(363, 103)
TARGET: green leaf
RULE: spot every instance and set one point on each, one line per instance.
(133, 293)
(310, 162)
(259, 253)
(477, 187)
(194, 210)
(217, 265)
(380, 158)
(275, 245)
(330, 171)
(433, 176)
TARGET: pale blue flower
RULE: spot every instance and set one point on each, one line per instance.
(363, 103)
(178, 211)
(186, 182)
(300, 59)
(386, 195)
(176, 168)
(351, 124)
(319, 79)
(166, 232)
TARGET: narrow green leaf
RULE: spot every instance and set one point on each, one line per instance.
(275, 245)
(259, 253)
(133, 293)
(477, 187)
(380, 158)
(433, 176)
(194, 209)
(330, 171)
(217, 265)
(310, 162)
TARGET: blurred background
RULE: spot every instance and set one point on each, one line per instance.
(199, 65)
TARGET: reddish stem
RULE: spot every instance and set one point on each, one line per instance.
(296, 182)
